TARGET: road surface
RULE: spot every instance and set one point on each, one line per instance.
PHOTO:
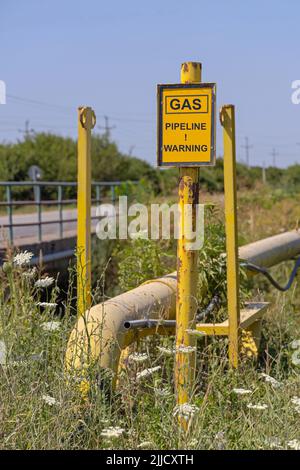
(49, 231)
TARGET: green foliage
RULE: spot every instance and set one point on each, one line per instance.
(57, 157)
(141, 260)
(42, 407)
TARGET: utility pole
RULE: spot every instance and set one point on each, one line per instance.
(27, 131)
(264, 176)
(131, 148)
(274, 154)
(107, 128)
(247, 147)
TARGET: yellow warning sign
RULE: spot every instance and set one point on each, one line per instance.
(186, 124)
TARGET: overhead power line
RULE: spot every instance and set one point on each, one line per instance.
(247, 147)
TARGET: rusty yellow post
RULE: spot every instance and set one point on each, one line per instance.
(86, 121)
(187, 274)
(227, 117)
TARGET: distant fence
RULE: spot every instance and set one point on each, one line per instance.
(100, 190)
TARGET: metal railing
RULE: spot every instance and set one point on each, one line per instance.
(102, 189)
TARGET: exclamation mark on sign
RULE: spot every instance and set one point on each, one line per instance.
(185, 136)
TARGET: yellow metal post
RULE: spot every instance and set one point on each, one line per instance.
(227, 117)
(86, 121)
(187, 274)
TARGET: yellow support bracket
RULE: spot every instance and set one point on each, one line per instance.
(227, 118)
(86, 122)
(250, 327)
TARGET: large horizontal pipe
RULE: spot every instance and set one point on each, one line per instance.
(273, 250)
(101, 334)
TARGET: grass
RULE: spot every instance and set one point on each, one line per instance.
(33, 370)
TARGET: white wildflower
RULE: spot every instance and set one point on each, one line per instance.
(46, 304)
(146, 445)
(112, 432)
(193, 443)
(186, 349)
(166, 351)
(296, 357)
(44, 282)
(241, 391)
(274, 443)
(23, 258)
(258, 406)
(294, 444)
(138, 357)
(162, 392)
(220, 440)
(30, 273)
(49, 400)
(295, 344)
(147, 372)
(51, 325)
(185, 411)
(3, 352)
(195, 332)
(296, 402)
(271, 380)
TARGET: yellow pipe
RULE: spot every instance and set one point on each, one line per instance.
(103, 325)
(101, 336)
(187, 271)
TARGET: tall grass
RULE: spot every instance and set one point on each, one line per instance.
(44, 407)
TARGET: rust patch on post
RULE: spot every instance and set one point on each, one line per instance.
(185, 67)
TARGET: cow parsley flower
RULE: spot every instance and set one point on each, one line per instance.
(295, 344)
(147, 372)
(23, 258)
(112, 432)
(296, 357)
(296, 402)
(185, 411)
(3, 352)
(46, 304)
(162, 392)
(51, 325)
(258, 406)
(271, 380)
(186, 349)
(138, 357)
(30, 273)
(166, 351)
(294, 444)
(241, 391)
(146, 445)
(274, 443)
(193, 443)
(220, 440)
(45, 282)
(49, 400)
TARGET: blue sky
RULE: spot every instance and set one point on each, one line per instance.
(110, 55)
